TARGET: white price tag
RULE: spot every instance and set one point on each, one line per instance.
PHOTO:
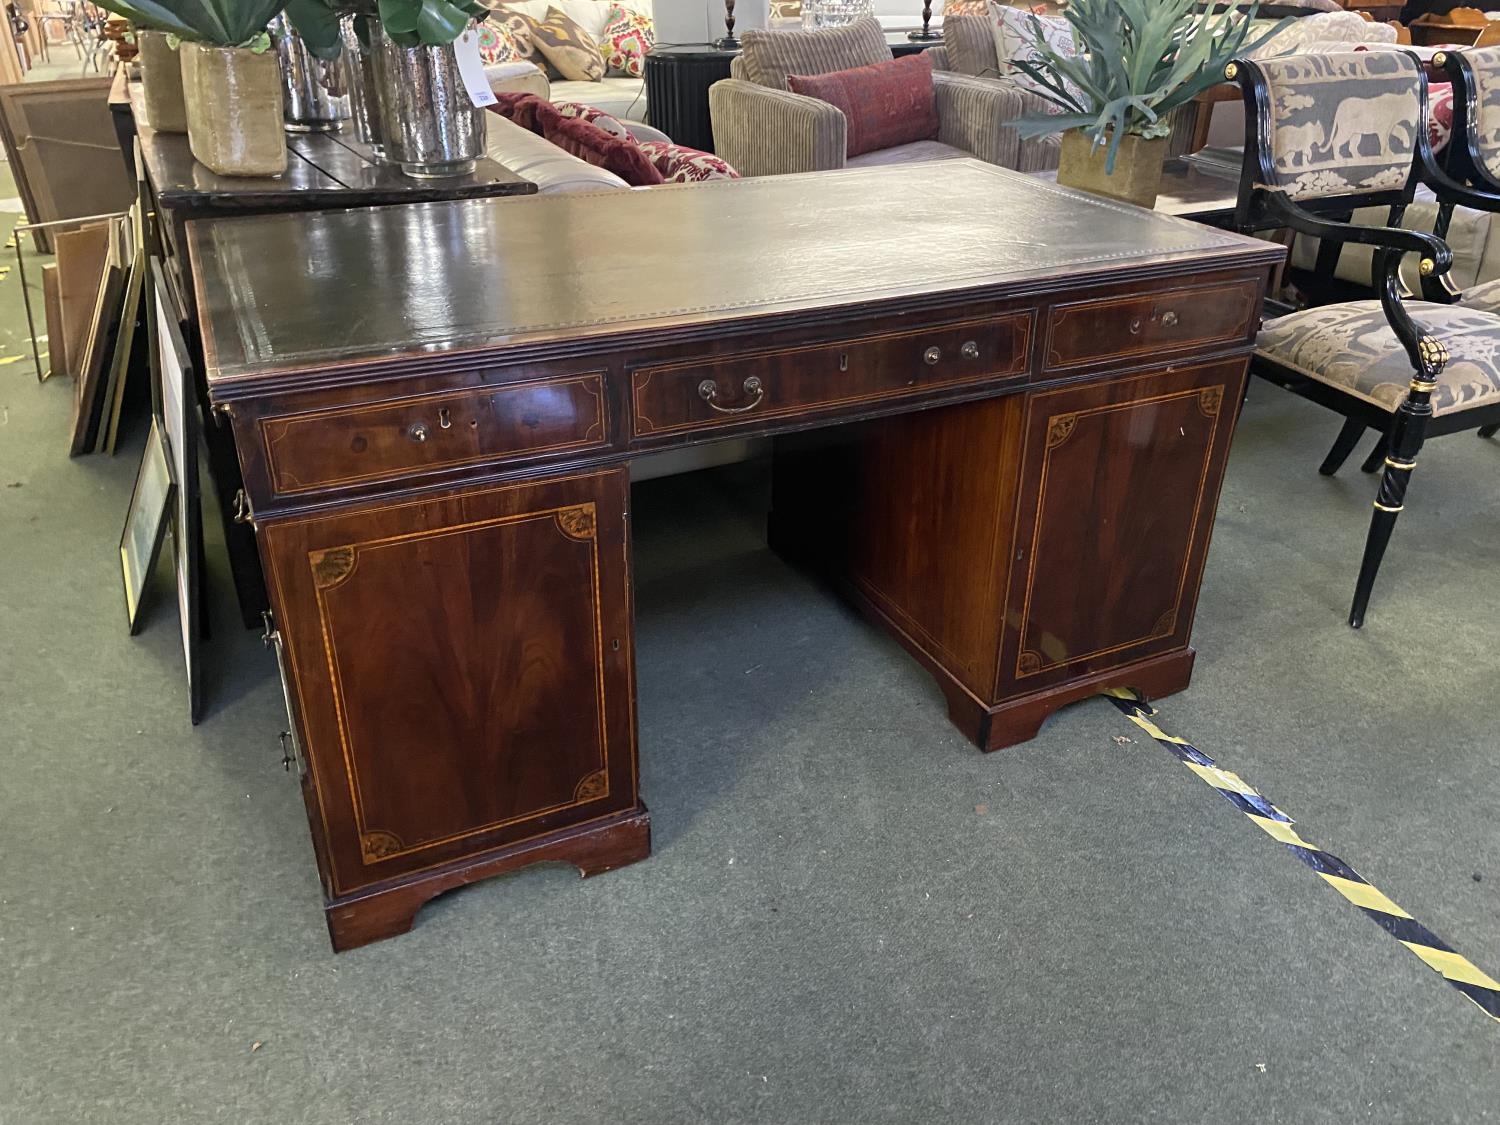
(471, 68)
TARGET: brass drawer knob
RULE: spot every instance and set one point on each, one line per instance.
(752, 387)
(932, 355)
(1169, 319)
(970, 350)
(417, 431)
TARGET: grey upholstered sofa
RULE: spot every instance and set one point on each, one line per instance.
(761, 128)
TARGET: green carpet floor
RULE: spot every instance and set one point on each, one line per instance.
(850, 914)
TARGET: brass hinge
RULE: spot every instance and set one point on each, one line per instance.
(242, 512)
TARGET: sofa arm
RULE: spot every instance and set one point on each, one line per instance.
(978, 115)
(766, 132)
(939, 56)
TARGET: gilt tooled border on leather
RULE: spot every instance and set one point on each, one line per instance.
(254, 352)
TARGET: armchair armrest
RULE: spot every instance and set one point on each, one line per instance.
(939, 56)
(762, 131)
(1397, 240)
(1391, 243)
(978, 115)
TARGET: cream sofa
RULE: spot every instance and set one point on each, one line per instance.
(549, 167)
(624, 98)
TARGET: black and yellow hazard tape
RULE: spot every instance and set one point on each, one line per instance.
(1437, 954)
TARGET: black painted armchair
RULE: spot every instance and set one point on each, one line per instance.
(1326, 134)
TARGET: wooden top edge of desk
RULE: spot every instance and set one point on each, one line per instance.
(527, 275)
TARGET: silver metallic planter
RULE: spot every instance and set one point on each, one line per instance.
(364, 107)
(314, 92)
(430, 126)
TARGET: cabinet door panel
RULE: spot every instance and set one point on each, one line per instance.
(1144, 458)
(463, 669)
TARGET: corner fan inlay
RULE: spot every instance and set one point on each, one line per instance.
(1061, 429)
(332, 566)
(379, 845)
(591, 785)
(577, 523)
(1209, 401)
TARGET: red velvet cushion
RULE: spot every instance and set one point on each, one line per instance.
(887, 104)
(520, 108)
(593, 145)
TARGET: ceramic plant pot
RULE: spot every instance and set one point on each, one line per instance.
(1137, 175)
(234, 109)
(428, 122)
(161, 83)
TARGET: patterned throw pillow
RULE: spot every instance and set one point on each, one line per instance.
(507, 36)
(626, 38)
(596, 117)
(680, 165)
(1440, 115)
(785, 12)
(887, 104)
(1015, 38)
(594, 146)
(568, 47)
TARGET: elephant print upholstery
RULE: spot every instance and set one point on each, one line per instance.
(1372, 107)
(1484, 63)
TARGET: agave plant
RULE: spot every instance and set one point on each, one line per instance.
(1137, 61)
(219, 23)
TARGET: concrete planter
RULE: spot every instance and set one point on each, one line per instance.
(161, 83)
(1137, 175)
(234, 110)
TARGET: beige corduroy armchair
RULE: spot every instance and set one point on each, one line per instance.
(762, 129)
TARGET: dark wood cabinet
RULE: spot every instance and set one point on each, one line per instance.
(468, 655)
(1008, 451)
(1029, 548)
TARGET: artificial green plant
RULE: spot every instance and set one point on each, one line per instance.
(409, 23)
(1137, 61)
(218, 23)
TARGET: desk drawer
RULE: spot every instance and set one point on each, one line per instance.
(328, 448)
(711, 392)
(1145, 324)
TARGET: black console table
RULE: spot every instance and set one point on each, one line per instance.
(678, 78)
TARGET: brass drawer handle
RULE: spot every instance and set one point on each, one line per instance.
(417, 431)
(708, 391)
(932, 355)
(970, 350)
(1169, 319)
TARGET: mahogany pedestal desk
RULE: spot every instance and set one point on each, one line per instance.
(1002, 412)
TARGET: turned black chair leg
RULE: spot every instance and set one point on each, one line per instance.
(1377, 455)
(1489, 431)
(1381, 526)
(1343, 445)
(1404, 442)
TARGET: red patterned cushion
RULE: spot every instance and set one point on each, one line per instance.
(596, 117)
(626, 38)
(593, 145)
(1440, 115)
(886, 104)
(680, 165)
(521, 108)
